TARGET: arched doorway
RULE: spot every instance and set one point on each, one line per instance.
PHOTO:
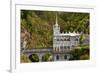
(57, 57)
(65, 57)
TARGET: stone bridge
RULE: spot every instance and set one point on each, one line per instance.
(57, 56)
(40, 52)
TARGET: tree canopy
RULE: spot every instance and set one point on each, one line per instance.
(39, 24)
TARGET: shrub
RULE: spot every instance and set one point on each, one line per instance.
(47, 57)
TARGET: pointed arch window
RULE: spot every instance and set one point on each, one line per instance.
(57, 57)
(65, 57)
(68, 39)
(76, 39)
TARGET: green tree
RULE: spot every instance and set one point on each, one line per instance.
(47, 57)
(81, 53)
(76, 54)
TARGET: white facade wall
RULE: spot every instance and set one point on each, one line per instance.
(59, 41)
(63, 42)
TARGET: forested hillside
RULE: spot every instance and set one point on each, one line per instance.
(39, 25)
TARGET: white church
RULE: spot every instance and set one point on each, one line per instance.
(63, 43)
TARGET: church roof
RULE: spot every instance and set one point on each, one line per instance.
(67, 34)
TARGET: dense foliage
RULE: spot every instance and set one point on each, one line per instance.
(39, 24)
(81, 53)
(47, 57)
(24, 58)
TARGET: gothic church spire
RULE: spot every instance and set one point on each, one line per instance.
(56, 20)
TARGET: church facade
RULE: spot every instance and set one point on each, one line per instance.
(63, 43)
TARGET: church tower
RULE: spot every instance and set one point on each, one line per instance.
(56, 28)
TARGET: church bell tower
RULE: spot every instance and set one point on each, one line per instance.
(56, 28)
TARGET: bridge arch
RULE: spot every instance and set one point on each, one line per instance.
(39, 53)
(34, 58)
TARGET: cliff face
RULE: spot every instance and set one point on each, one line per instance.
(37, 26)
